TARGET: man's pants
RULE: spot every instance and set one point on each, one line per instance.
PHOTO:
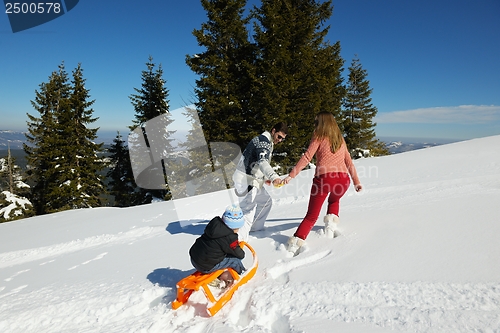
(256, 205)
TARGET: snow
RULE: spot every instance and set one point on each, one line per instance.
(418, 252)
(16, 203)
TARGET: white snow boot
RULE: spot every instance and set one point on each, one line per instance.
(331, 223)
(217, 283)
(224, 281)
(294, 244)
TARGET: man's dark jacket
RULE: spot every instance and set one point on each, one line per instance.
(217, 242)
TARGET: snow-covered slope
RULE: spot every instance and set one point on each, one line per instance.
(419, 252)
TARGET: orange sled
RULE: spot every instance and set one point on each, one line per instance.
(197, 280)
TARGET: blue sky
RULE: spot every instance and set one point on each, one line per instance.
(433, 65)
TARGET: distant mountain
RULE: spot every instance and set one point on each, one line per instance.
(11, 138)
(401, 145)
(395, 145)
(16, 139)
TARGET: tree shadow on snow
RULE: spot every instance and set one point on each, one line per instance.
(192, 227)
(298, 219)
(275, 231)
(271, 230)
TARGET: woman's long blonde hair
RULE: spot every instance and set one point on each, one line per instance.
(326, 127)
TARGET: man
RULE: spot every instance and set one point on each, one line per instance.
(253, 171)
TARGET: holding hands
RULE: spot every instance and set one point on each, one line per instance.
(278, 182)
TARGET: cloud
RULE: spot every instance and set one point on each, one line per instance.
(463, 114)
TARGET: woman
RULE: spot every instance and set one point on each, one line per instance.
(333, 167)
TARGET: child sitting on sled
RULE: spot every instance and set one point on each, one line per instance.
(218, 247)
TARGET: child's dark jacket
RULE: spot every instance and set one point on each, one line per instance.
(217, 242)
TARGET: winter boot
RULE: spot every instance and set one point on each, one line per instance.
(216, 283)
(294, 244)
(226, 280)
(331, 222)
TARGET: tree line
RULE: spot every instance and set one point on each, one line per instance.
(269, 65)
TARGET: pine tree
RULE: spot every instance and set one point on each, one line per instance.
(86, 160)
(63, 159)
(13, 191)
(7, 169)
(121, 184)
(210, 166)
(197, 152)
(42, 150)
(151, 102)
(151, 99)
(358, 113)
(299, 71)
(226, 74)
(3, 206)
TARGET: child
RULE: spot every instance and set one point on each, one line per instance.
(218, 247)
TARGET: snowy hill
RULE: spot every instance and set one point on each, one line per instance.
(418, 252)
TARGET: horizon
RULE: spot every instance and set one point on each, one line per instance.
(107, 138)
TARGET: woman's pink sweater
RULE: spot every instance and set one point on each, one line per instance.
(326, 161)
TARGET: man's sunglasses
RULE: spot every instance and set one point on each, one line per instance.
(281, 138)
